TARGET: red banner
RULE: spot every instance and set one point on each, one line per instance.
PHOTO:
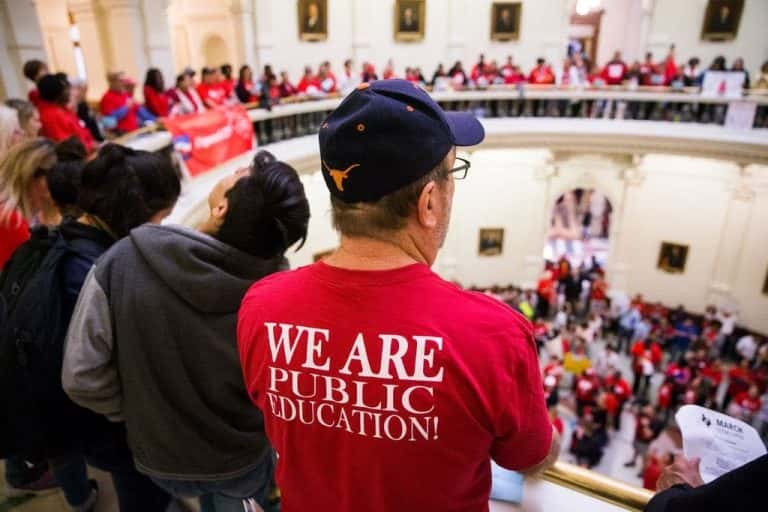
(206, 140)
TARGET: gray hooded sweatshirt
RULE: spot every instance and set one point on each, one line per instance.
(152, 342)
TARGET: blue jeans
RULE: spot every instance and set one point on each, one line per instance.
(226, 495)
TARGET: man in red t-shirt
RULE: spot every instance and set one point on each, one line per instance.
(542, 74)
(374, 396)
(210, 89)
(615, 71)
(118, 104)
(646, 357)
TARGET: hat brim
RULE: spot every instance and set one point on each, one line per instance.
(465, 128)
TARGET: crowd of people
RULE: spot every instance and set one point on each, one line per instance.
(168, 415)
(61, 106)
(603, 355)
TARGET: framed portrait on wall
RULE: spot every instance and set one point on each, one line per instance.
(313, 20)
(721, 20)
(505, 21)
(491, 242)
(410, 19)
(672, 257)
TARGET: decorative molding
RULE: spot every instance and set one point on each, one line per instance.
(545, 171)
(634, 176)
(743, 192)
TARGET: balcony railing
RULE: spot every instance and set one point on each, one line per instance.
(598, 486)
(293, 118)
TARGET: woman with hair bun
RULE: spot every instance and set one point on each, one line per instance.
(156, 323)
(118, 190)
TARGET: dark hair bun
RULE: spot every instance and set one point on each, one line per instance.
(51, 87)
(126, 188)
(268, 210)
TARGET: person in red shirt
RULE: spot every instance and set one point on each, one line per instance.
(327, 78)
(24, 196)
(478, 69)
(670, 67)
(647, 70)
(615, 71)
(34, 70)
(586, 388)
(57, 121)
(118, 104)
(542, 74)
(184, 97)
(646, 356)
(210, 90)
(511, 73)
(287, 89)
(309, 83)
(389, 71)
(645, 432)
(155, 97)
(227, 83)
(740, 378)
(347, 360)
(547, 293)
(748, 403)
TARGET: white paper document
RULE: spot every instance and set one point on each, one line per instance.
(722, 442)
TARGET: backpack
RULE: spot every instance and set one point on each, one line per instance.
(33, 325)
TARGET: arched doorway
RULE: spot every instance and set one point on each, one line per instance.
(579, 226)
(215, 51)
(575, 252)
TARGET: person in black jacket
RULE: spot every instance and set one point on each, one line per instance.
(681, 488)
(118, 190)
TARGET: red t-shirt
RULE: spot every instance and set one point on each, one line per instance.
(157, 102)
(34, 96)
(228, 86)
(622, 390)
(614, 73)
(212, 94)
(542, 75)
(747, 402)
(113, 101)
(652, 353)
(59, 123)
(13, 233)
(378, 399)
(306, 82)
(665, 396)
(585, 389)
(558, 424)
(651, 474)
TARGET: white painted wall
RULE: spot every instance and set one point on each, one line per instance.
(680, 22)
(620, 29)
(20, 40)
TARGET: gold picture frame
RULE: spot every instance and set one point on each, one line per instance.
(491, 242)
(410, 19)
(312, 20)
(672, 257)
(505, 21)
(721, 20)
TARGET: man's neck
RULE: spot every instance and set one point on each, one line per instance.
(374, 254)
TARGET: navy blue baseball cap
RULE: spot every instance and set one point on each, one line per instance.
(385, 135)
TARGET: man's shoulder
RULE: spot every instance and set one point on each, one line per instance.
(286, 280)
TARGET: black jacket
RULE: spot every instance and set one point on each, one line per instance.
(743, 489)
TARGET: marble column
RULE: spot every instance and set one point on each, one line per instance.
(122, 25)
(733, 237)
(618, 268)
(94, 49)
(533, 262)
(243, 21)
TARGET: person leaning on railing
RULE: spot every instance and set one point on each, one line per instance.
(383, 386)
(681, 488)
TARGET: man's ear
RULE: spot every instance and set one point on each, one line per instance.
(219, 211)
(426, 206)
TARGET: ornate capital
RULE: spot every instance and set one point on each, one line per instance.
(634, 176)
(545, 171)
(743, 192)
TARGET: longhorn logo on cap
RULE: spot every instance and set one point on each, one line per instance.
(339, 176)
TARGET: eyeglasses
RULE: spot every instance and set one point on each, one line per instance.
(462, 170)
